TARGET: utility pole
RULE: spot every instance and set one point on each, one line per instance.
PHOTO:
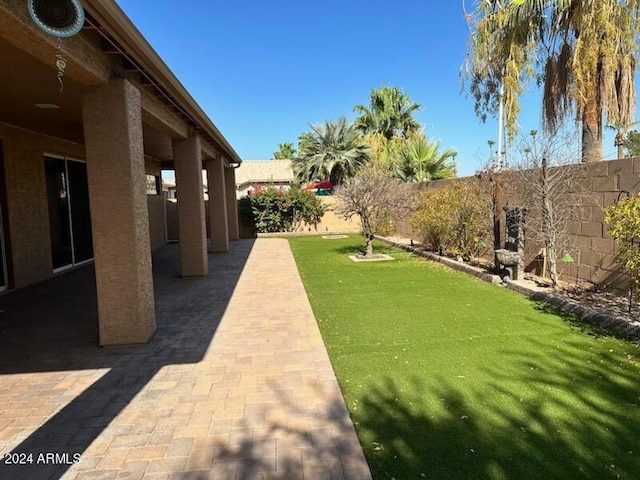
(500, 161)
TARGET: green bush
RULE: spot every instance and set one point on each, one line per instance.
(623, 219)
(454, 219)
(272, 209)
(383, 225)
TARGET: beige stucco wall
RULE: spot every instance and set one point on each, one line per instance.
(28, 221)
(157, 230)
(173, 232)
(28, 212)
(333, 223)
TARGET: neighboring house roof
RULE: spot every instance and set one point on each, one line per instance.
(264, 171)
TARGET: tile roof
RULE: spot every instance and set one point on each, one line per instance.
(264, 171)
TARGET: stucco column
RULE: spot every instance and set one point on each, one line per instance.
(217, 205)
(119, 216)
(232, 203)
(187, 159)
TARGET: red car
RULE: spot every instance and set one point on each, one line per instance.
(326, 185)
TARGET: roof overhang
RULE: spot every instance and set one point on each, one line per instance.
(109, 46)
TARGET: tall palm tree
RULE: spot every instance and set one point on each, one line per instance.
(390, 112)
(332, 150)
(421, 160)
(286, 151)
(582, 51)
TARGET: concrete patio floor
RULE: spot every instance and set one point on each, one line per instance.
(236, 383)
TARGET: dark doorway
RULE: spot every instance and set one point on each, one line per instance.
(4, 280)
(69, 217)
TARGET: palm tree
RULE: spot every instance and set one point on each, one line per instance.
(332, 150)
(632, 144)
(581, 51)
(385, 151)
(421, 160)
(390, 112)
(286, 151)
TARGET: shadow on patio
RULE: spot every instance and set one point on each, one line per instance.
(49, 332)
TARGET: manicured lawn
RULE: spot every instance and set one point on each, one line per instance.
(447, 377)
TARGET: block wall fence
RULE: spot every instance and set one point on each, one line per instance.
(602, 183)
(330, 223)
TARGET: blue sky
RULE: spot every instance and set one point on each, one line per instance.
(264, 70)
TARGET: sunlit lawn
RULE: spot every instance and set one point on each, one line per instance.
(447, 377)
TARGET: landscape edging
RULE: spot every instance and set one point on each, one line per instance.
(604, 320)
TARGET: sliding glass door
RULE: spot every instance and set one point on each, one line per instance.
(4, 271)
(69, 217)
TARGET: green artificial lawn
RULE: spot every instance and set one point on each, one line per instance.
(448, 377)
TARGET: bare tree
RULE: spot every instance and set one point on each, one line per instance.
(551, 191)
(373, 196)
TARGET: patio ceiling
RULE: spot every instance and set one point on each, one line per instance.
(30, 79)
(25, 83)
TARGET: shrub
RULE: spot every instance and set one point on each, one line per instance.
(384, 226)
(273, 209)
(454, 219)
(307, 208)
(433, 220)
(623, 219)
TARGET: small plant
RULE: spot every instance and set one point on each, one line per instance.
(623, 219)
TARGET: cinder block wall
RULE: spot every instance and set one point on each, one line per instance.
(602, 183)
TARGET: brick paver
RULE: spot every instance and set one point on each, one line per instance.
(236, 384)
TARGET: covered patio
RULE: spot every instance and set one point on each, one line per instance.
(87, 125)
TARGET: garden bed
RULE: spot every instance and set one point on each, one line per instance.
(604, 309)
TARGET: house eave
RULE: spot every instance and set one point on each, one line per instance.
(117, 25)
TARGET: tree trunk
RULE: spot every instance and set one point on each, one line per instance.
(369, 245)
(592, 126)
(497, 216)
(336, 177)
(548, 227)
(368, 235)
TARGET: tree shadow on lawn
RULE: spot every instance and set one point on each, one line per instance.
(584, 326)
(550, 415)
(359, 249)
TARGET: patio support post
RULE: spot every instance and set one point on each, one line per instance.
(217, 205)
(232, 203)
(119, 218)
(187, 159)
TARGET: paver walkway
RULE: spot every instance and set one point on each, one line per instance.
(236, 383)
